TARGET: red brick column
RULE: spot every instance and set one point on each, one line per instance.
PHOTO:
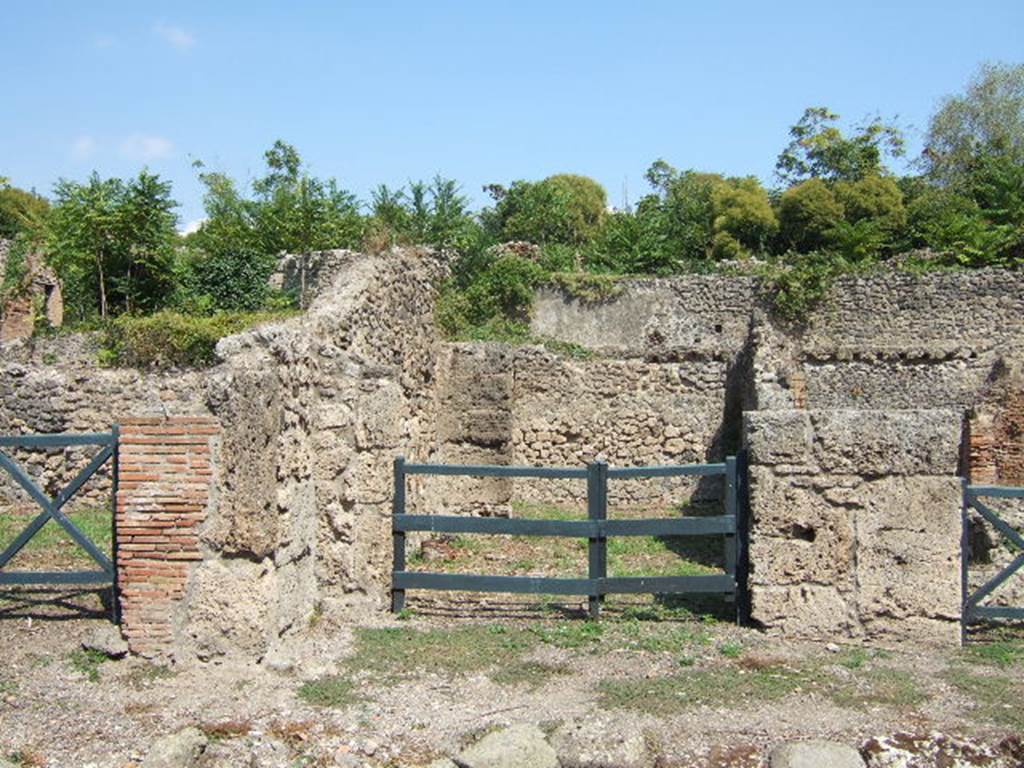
(164, 483)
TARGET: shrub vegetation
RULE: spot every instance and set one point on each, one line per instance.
(165, 298)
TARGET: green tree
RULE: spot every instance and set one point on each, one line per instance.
(427, 214)
(20, 211)
(112, 242)
(875, 218)
(808, 214)
(818, 149)
(296, 212)
(744, 221)
(564, 208)
(983, 124)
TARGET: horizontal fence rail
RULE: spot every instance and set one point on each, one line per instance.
(972, 610)
(596, 529)
(51, 508)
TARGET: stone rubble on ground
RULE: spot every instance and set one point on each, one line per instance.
(176, 750)
(596, 744)
(815, 754)
(106, 639)
(905, 750)
(519, 746)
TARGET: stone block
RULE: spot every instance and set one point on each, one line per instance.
(876, 443)
(908, 557)
(778, 437)
(809, 611)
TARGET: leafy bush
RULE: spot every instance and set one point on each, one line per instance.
(565, 209)
(21, 212)
(502, 290)
(224, 280)
(169, 339)
(875, 205)
(808, 213)
(12, 281)
(798, 284)
(744, 221)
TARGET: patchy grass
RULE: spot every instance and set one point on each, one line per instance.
(147, 674)
(759, 679)
(396, 652)
(996, 697)
(723, 687)
(52, 546)
(336, 691)
(879, 686)
(570, 634)
(731, 650)
(8, 686)
(87, 662)
(531, 674)
(1000, 653)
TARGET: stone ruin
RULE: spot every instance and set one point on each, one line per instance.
(858, 425)
(38, 297)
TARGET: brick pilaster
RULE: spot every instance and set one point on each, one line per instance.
(164, 482)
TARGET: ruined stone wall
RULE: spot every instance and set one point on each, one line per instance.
(499, 404)
(313, 411)
(855, 523)
(55, 385)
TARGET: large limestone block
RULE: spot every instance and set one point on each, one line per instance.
(798, 534)
(778, 437)
(810, 611)
(520, 746)
(379, 413)
(887, 442)
(229, 608)
(815, 754)
(247, 401)
(908, 560)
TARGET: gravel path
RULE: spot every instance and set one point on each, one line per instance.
(53, 714)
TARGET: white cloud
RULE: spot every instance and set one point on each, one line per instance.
(192, 226)
(83, 147)
(143, 147)
(103, 41)
(176, 36)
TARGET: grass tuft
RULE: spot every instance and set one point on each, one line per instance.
(336, 691)
(87, 661)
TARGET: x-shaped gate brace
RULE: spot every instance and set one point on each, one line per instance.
(971, 608)
(51, 507)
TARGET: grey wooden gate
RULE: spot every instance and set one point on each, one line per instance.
(51, 508)
(731, 525)
(972, 608)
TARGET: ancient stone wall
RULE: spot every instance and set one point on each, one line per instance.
(55, 385)
(314, 410)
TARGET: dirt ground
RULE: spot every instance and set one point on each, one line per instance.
(401, 692)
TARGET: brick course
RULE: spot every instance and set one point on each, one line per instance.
(163, 490)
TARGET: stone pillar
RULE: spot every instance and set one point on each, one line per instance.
(855, 529)
(164, 481)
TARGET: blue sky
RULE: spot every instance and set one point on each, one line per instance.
(482, 92)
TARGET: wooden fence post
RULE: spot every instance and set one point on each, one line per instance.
(397, 536)
(597, 509)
